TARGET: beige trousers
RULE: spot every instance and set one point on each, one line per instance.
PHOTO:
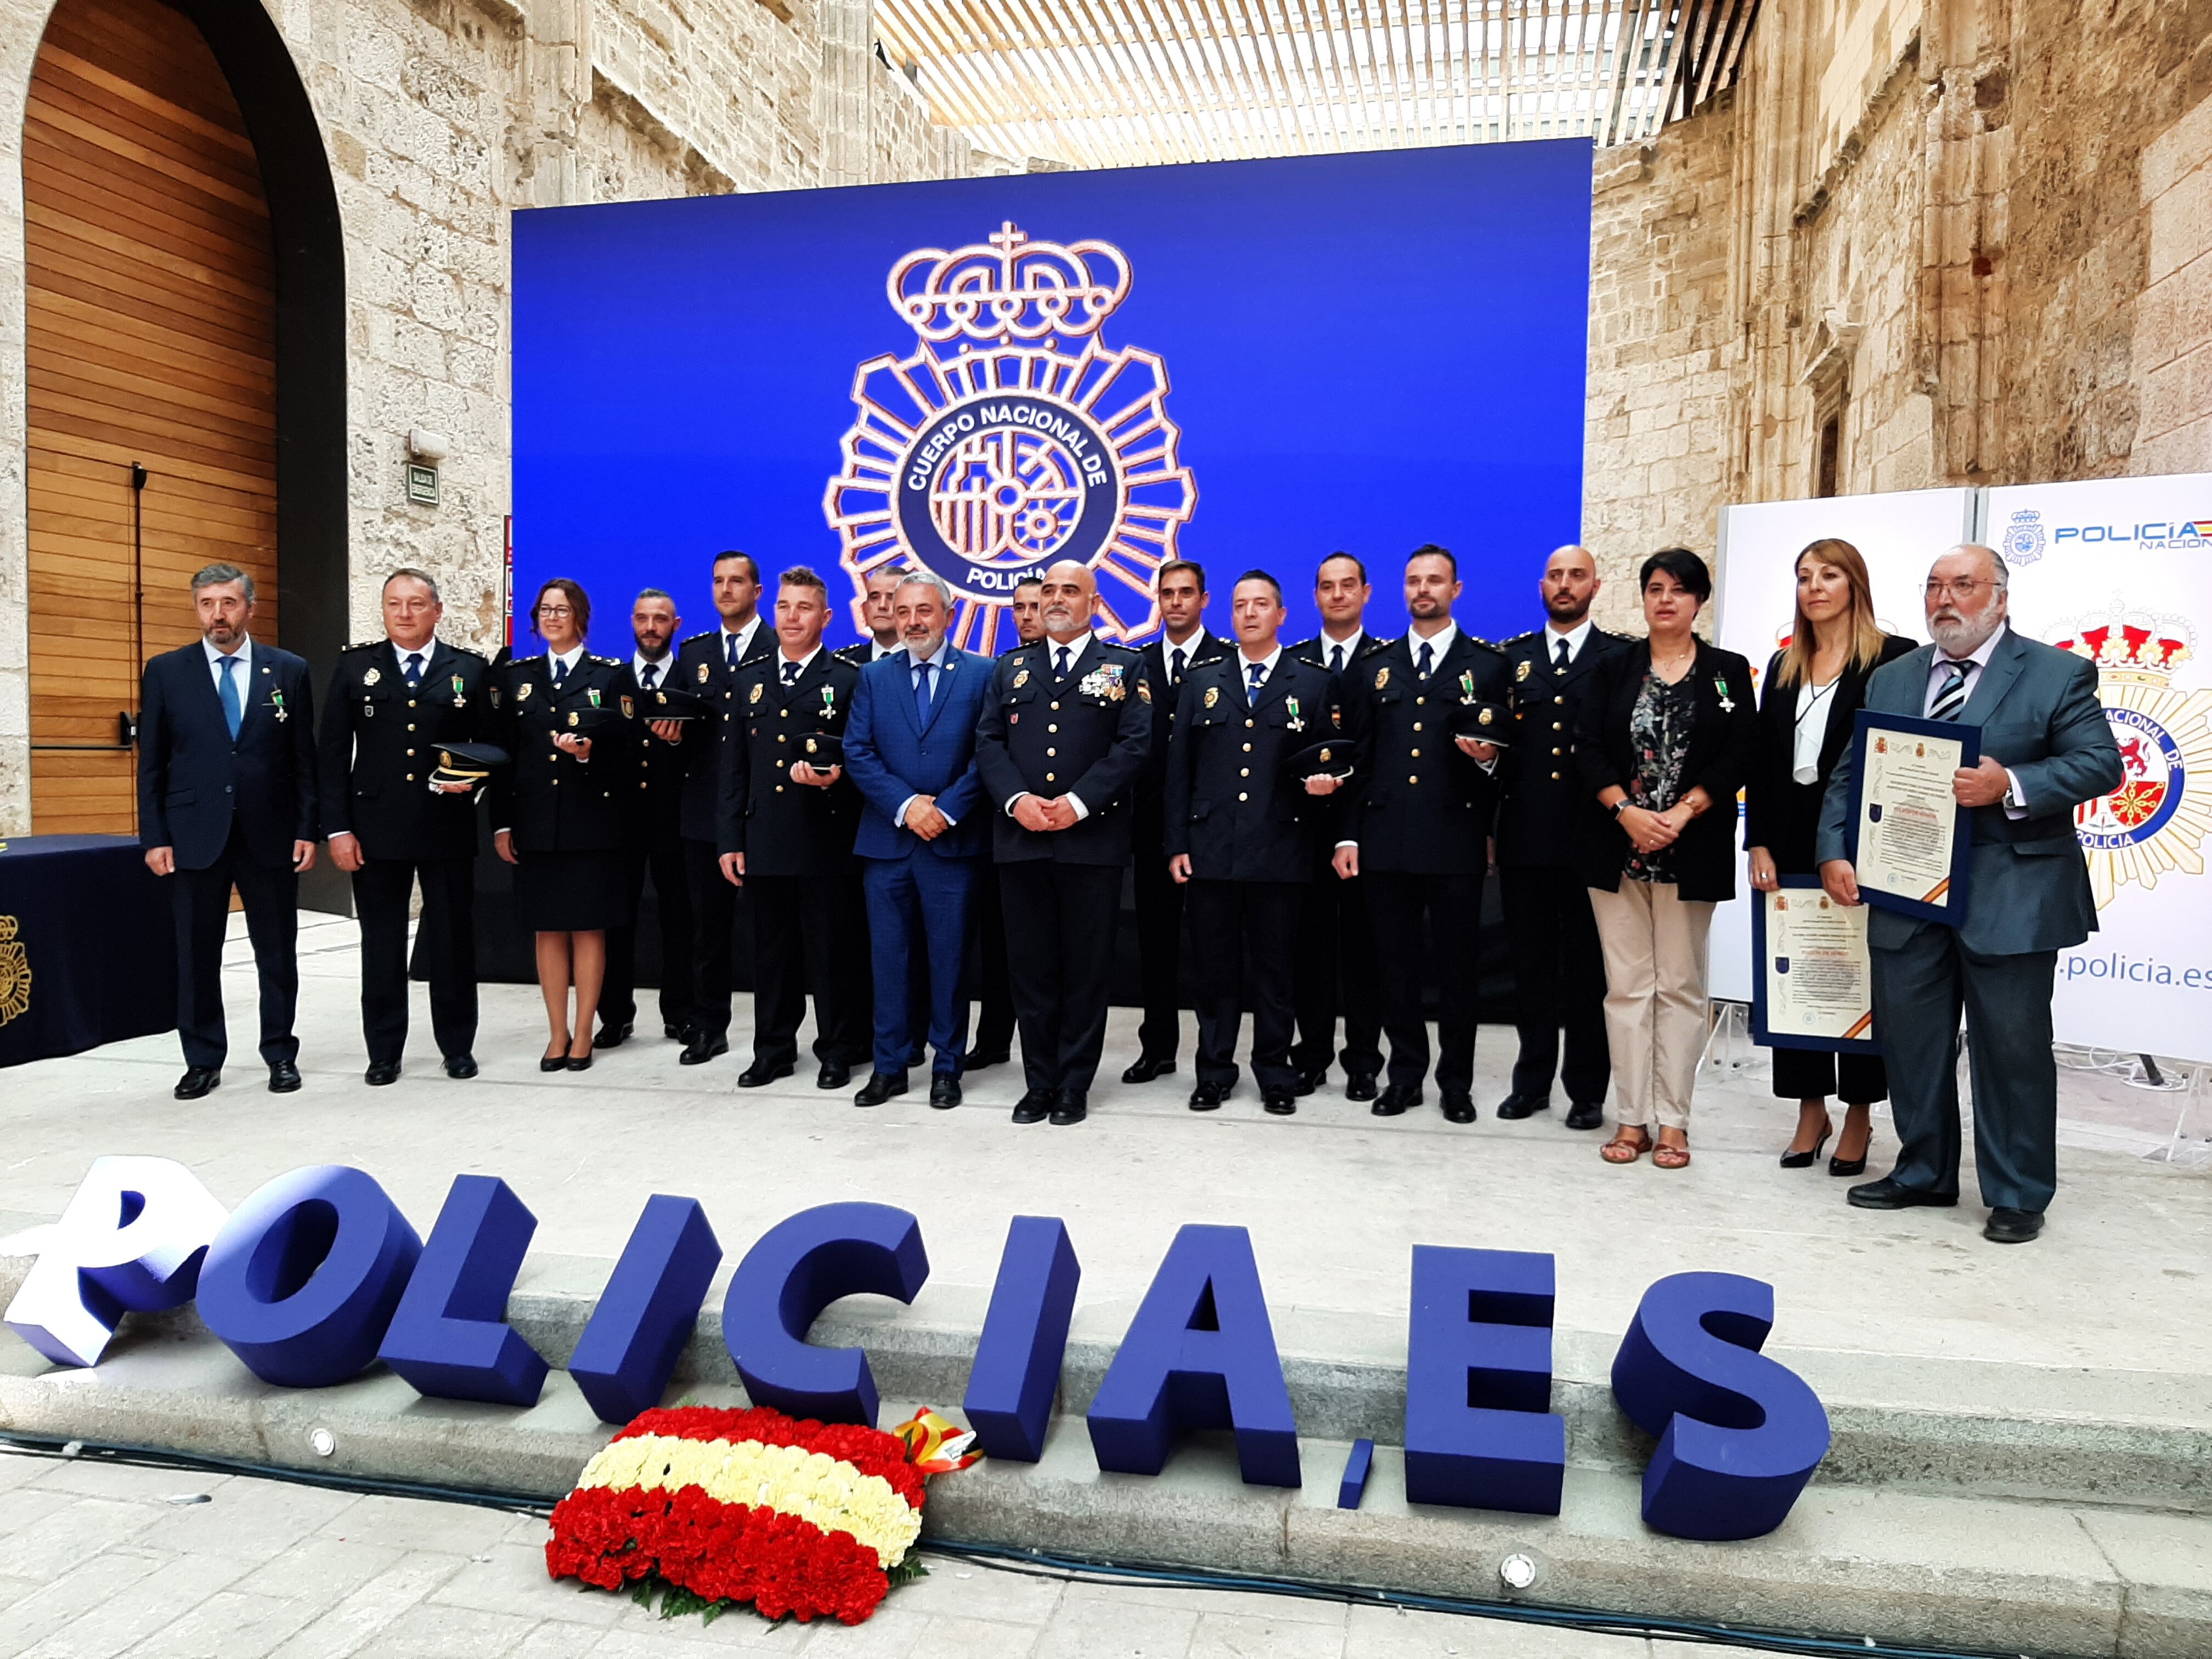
(1656, 1018)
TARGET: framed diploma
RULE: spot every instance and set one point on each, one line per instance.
(1812, 981)
(1909, 839)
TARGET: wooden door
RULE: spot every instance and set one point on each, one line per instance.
(150, 339)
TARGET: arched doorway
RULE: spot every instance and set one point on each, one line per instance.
(184, 367)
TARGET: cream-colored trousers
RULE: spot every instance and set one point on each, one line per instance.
(1656, 1018)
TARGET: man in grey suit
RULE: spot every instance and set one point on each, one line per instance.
(2046, 750)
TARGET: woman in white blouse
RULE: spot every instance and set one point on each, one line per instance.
(1813, 690)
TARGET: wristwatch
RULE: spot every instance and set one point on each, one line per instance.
(1620, 806)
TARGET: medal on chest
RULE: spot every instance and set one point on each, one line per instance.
(1297, 721)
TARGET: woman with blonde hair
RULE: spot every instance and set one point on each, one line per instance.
(1813, 690)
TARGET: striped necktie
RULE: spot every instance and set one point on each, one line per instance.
(1953, 697)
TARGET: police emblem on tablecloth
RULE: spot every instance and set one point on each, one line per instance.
(2156, 821)
(15, 972)
(1012, 437)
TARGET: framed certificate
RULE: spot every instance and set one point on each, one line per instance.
(1908, 840)
(1811, 982)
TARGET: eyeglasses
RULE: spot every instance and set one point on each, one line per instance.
(1965, 588)
(554, 610)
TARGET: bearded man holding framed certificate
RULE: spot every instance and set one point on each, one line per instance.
(1984, 939)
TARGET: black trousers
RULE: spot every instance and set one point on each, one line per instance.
(1060, 955)
(1815, 1073)
(1419, 920)
(1558, 981)
(995, 1014)
(1160, 953)
(663, 856)
(202, 907)
(380, 890)
(1335, 970)
(714, 915)
(811, 933)
(1249, 928)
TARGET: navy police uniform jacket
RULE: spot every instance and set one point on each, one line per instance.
(194, 781)
(1545, 812)
(1088, 735)
(552, 801)
(1152, 788)
(379, 743)
(1316, 651)
(1419, 806)
(787, 828)
(701, 670)
(1229, 804)
(656, 785)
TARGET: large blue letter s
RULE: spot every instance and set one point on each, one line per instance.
(1739, 1434)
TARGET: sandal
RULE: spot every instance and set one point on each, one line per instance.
(1622, 1150)
(1666, 1157)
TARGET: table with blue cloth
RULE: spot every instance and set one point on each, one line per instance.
(87, 954)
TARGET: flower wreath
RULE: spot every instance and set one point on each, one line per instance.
(709, 1509)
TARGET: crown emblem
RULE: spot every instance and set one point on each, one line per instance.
(2130, 647)
(1009, 288)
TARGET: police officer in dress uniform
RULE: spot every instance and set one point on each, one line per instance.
(656, 839)
(788, 815)
(392, 704)
(1558, 970)
(707, 667)
(1061, 745)
(879, 613)
(1246, 837)
(1184, 646)
(994, 1000)
(1334, 964)
(1418, 827)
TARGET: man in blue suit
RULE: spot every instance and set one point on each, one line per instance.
(910, 748)
(2046, 748)
(227, 797)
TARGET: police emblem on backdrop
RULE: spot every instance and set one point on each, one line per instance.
(2156, 821)
(2023, 538)
(987, 464)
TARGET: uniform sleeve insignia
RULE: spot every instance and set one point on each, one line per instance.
(1213, 696)
(1145, 690)
(760, 687)
(628, 709)
(1021, 679)
(1521, 670)
(522, 692)
(705, 669)
(372, 676)
(1381, 678)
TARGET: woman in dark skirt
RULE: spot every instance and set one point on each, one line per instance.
(1815, 686)
(558, 809)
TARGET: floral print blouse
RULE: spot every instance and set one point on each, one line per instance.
(1659, 732)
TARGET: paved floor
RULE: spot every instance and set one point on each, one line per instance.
(101, 1560)
(1335, 1197)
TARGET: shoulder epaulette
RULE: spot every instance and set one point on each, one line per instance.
(611, 662)
(469, 651)
(366, 645)
(708, 633)
(1126, 650)
(1522, 639)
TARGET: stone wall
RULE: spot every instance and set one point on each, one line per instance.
(438, 117)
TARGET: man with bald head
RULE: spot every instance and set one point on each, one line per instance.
(1065, 732)
(1559, 971)
(2046, 750)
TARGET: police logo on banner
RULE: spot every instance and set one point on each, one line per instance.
(2156, 821)
(1012, 437)
(2022, 542)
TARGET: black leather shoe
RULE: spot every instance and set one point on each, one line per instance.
(759, 1073)
(879, 1088)
(1586, 1114)
(1887, 1194)
(1310, 1079)
(380, 1071)
(834, 1074)
(612, 1037)
(2007, 1226)
(197, 1081)
(1847, 1166)
(1148, 1067)
(462, 1067)
(1396, 1099)
(994, 1057)
(553, 1062)
(702, 1048)
(1281, 1103)
(1518, 1105)
(581, 1062)
(283, 1077)
(944, 1090)
(1207, 1097)
(674, 1032)
(1458, 1106)
(1069, 1108)
(1034, 1106)
(1359, 1085)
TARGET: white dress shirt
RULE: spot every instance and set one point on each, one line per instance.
(1939, 673)
(400, 654)
(743, 636)
(1265, 665)
(1191, 649)
(877, 651)
(1439, 644)
(565, 661)
(1078, 650)
(782, 662)
(1350, 646)
(936, 689)
(639, 662)
(1577, 637)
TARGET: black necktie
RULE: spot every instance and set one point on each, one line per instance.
(1336, 659)
(1563, 659)
(791, 672)
(414, 668)
(1427, 661)
(560, 671)
(1175, 674)
(652, 675)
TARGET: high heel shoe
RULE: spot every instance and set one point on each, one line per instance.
(1806, 1160)
(553, 1062)
(580, 1062)
(1850, 1166)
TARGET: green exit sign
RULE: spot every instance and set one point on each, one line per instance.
(422, 485)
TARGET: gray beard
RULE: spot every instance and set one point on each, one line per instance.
(1963, 639)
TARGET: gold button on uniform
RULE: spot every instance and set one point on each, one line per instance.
(1053, 726)
(1555, 726)
(1247, 748)
(1416, 754)
(410, 751)
(1055, 705)
(1555, 752)
(1417, 726)
(1413, 780)
(1241, 796)
(1243, 772)
(410, 777)
(1051, 753)
(1049, 778)
(1419, 699)
(1555, 777)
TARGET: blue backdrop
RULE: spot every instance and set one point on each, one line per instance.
(1366, 352)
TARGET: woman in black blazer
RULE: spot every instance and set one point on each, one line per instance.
(559, 810)
(1815, 687)
(1663, 740)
